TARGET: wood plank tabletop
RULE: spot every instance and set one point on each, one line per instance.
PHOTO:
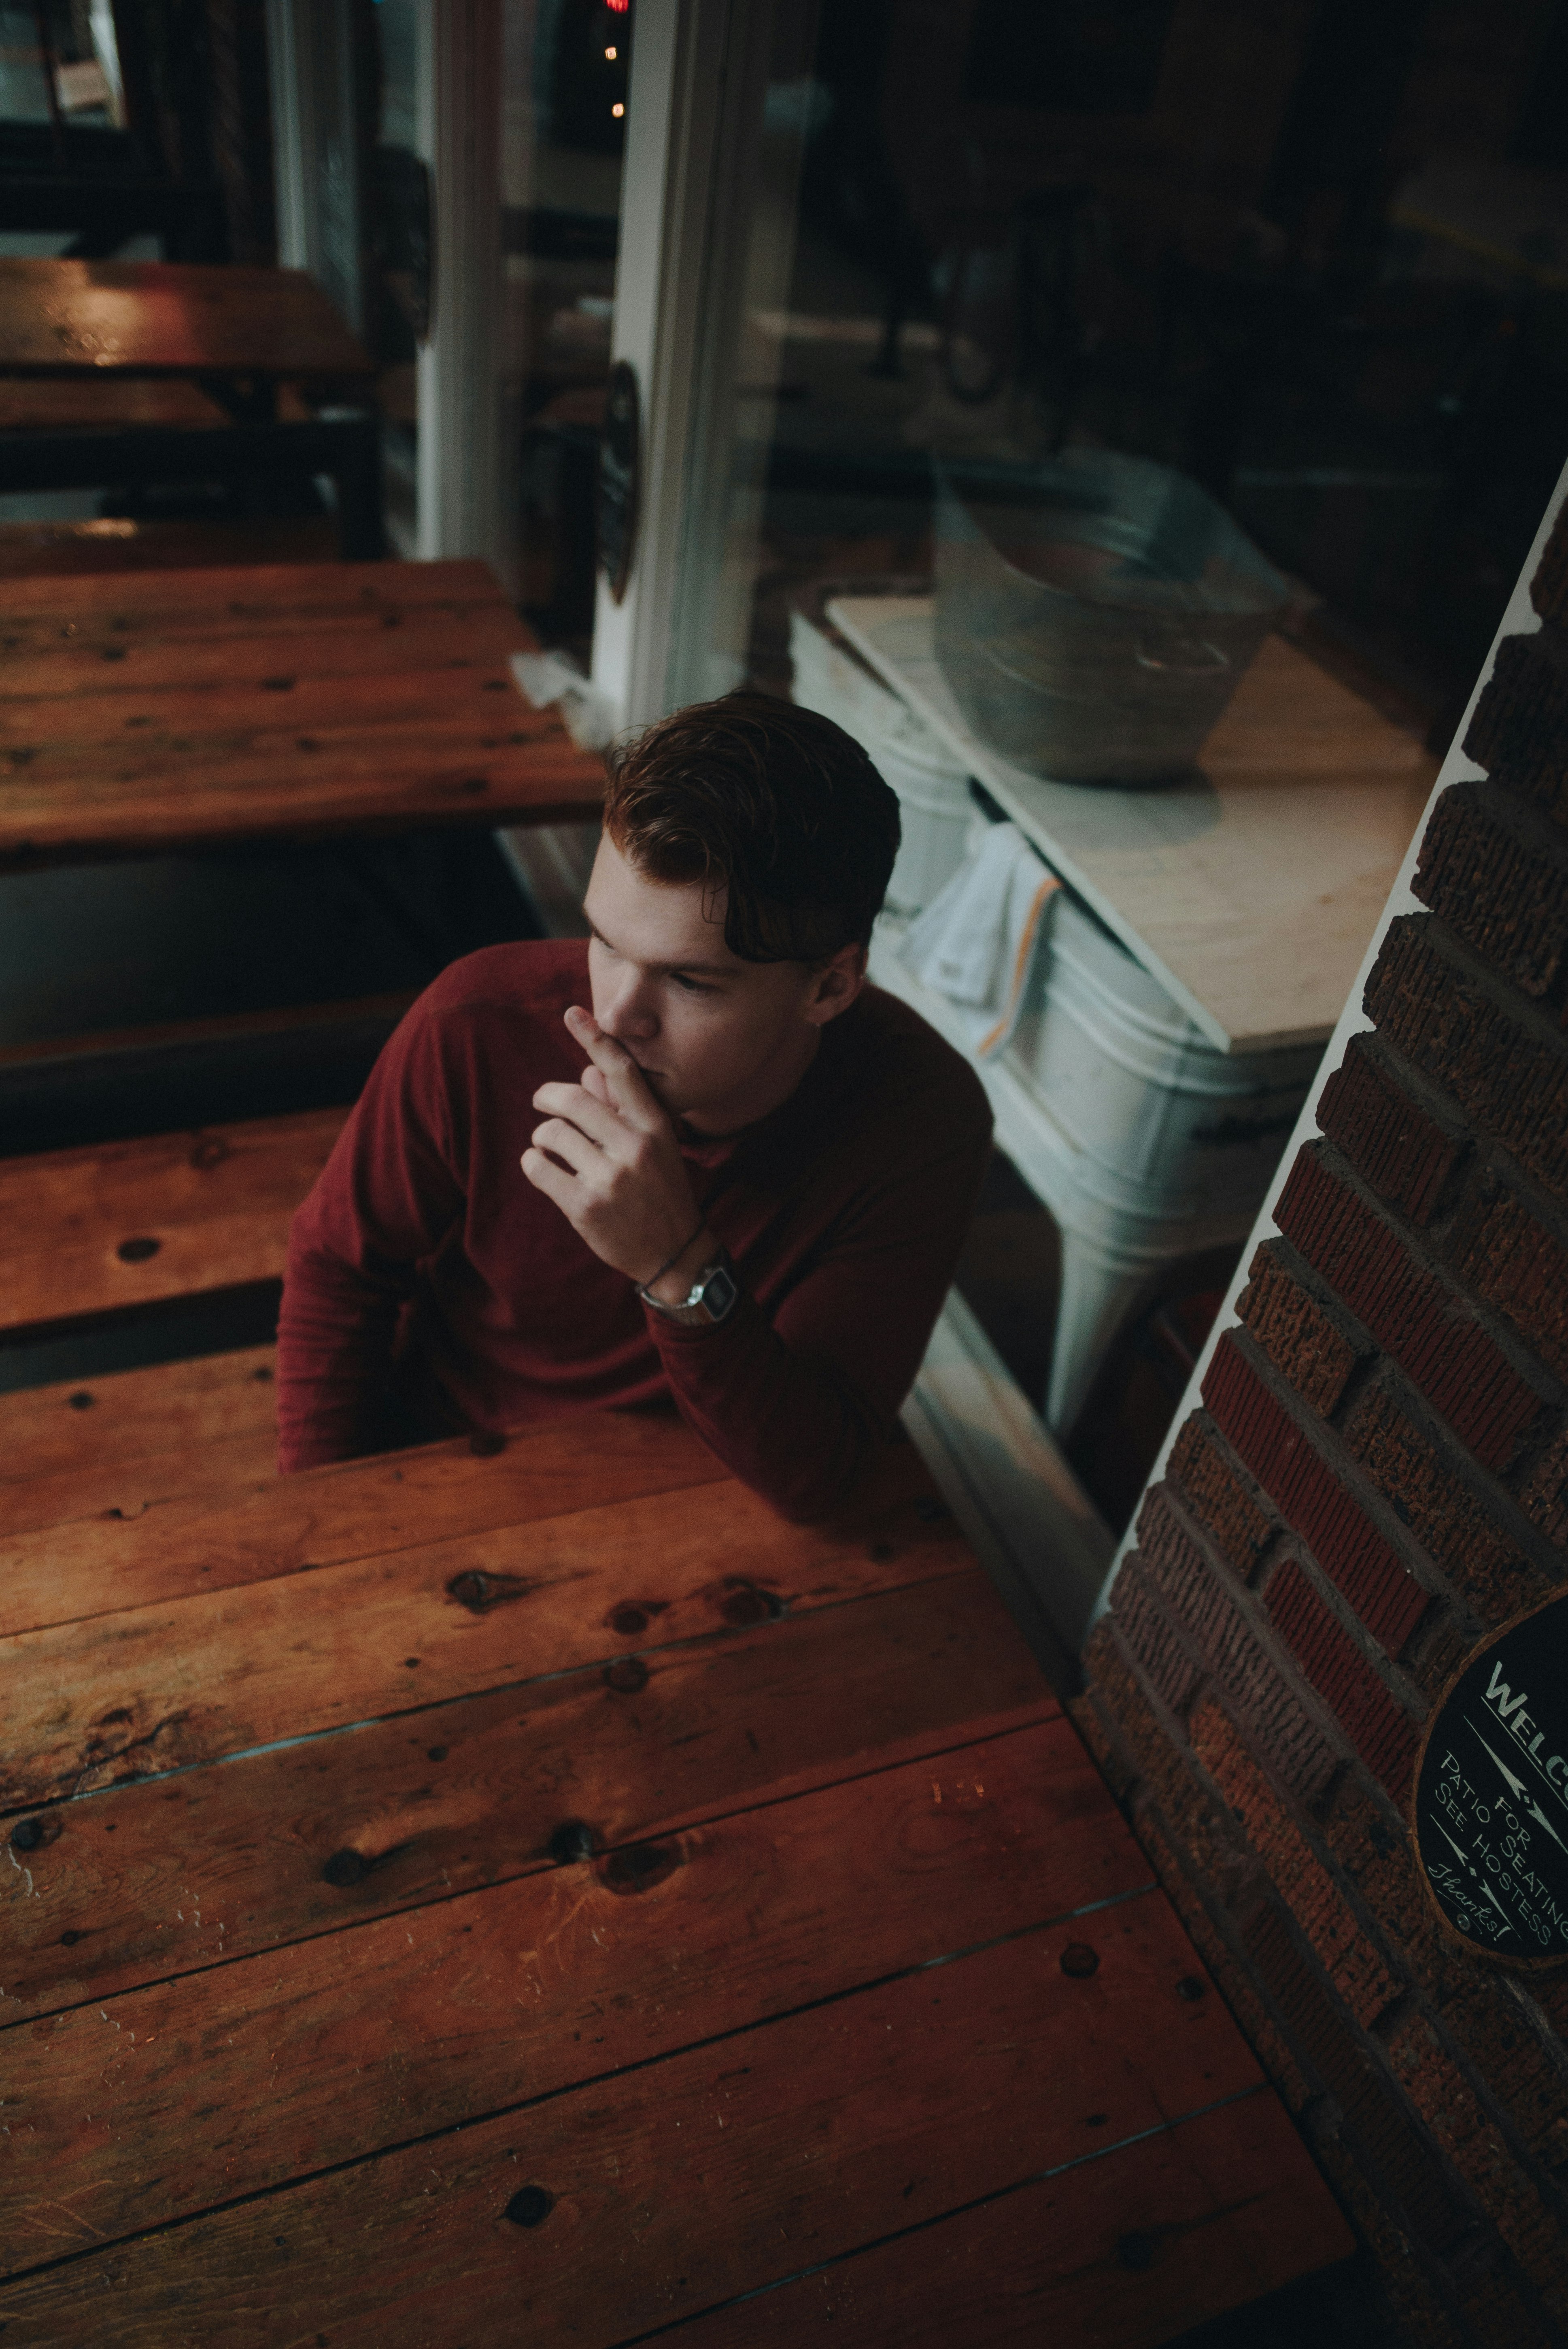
(148, 710)
(1249, 889)
(472, 1890)
(118, 1223)
(61, 316)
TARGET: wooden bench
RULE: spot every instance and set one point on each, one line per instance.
(135, 1223)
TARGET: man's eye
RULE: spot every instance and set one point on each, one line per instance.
(688, 986)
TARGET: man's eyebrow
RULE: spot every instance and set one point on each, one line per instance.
(696, 969)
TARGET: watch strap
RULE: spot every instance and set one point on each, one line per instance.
(710, 1298)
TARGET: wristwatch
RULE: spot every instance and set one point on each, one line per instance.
(711, 1297)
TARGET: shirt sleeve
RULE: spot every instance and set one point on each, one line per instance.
(795, 1402)
(386, 1198)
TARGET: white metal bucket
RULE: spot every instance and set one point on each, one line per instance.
(934, 804)
(1138, 1086)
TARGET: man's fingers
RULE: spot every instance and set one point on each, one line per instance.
(565, 1142)
(546, 1177)
(601, 1123)
(629, 1089)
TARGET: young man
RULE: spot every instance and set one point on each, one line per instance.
(740, 1178)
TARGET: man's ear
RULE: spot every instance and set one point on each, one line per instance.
(835, 985)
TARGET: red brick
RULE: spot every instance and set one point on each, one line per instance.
(1378, 1859)
(1429, 1330)
(1396, 1149)
(1347, 1544)
(1343, 1949)
(1216, 1497)
(1520, 730)
(1550, 1992)
(1094, 1725)
(1440, 1509)
(1295, 1334)
(1381, 1733)
(1506, 895)
(1159, 1764)
(1300, 1755)
(1472, 2142)
(1500, 1249)
(1426, 2321)
(1146, 1631)
(1381, 2126)
(1238, 1989)
(1497, 2318)
(1548, 588)
(1516, 2065)
(1544, 1496)
(1510, 1082)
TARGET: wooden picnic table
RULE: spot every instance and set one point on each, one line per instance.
(150, 710)
(186, 334)
(529, 1890)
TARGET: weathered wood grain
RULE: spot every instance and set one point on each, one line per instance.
(216, 1532)
(142, 710)
(160, 1686)
(88, 1539)
(445, 781)
(170, 317)
(1119, 2254)
(77, 1425)
(189, 1211)
(691, 2178)
(144, 1882)
(423, 2019)
(134, 663)
(241, 597)
(122, 1491)
(58, 1198)
(90, 404)
(130, 733)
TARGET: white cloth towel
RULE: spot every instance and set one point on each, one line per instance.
(976, 940)
(545, 678)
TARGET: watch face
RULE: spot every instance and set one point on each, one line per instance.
(719, 1293)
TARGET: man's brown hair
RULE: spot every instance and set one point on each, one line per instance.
(776, 806)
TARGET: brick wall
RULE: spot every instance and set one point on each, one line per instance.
(1376, 1474)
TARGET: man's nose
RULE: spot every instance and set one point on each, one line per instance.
(627, 1011)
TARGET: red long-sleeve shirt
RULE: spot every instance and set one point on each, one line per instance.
(843, 1209)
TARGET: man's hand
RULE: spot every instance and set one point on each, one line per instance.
(607, 1153)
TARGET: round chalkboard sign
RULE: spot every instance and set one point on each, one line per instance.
(1492, 1794)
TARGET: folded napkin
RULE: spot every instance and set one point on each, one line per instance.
(976, 940)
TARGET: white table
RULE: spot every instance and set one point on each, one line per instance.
(1249, 893)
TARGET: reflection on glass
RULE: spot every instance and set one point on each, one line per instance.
(1321, 272)
(563, 144)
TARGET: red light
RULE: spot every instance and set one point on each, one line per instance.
(618, 7)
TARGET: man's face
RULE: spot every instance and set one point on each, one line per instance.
(721, 1041)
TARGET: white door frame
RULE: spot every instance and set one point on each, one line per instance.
(700, 73)
(672, 107)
